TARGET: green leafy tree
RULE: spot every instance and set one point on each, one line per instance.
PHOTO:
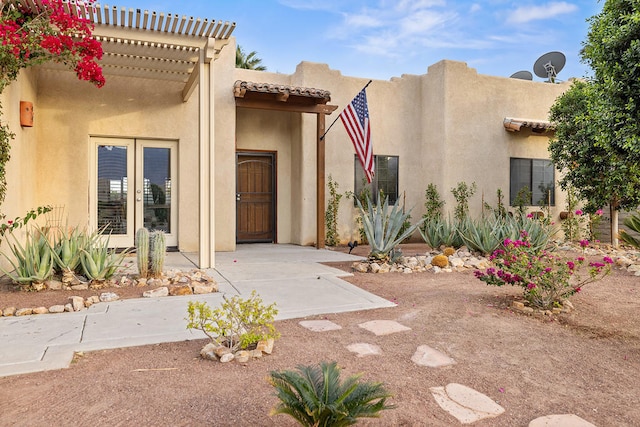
(249, 61)
(597, 140)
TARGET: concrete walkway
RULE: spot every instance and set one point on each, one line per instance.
(288, 275)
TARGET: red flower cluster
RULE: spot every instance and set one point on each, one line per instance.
(31, 37)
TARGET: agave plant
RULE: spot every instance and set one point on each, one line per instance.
(383, 226)
(66, 249)
(538, 233)
(315, 396)
(633, 223)
(33, 261)
(98, 261)
(486, 234)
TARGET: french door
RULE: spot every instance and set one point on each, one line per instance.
(134, 185)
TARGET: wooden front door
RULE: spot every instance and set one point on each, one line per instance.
(255, 197)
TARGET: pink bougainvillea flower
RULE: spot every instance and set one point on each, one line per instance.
(584, 243)
(578, 212)
(599, 212)
(529, 215)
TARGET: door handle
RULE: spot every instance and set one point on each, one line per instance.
(237, 197)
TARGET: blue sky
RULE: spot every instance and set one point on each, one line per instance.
(380, 39)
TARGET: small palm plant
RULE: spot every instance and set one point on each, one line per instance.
(385, 228)
(314, 396)
(633, 222)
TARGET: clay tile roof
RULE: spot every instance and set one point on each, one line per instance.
(240, 88)
(538, 126)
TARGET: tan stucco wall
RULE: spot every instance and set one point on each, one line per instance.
(445, 126)
(70, 112)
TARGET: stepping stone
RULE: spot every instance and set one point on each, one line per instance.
(427, 356)
(465, 404)
(363, 349)
(565, 420)
(383, 327)
(320, 325)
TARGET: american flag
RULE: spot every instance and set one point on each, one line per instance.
(355, 118)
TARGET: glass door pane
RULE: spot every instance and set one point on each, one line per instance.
(113, 189)
(157, 188)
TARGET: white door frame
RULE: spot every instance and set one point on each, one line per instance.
(134, 201)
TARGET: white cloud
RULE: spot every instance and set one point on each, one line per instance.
(475, 8)
(526, 14)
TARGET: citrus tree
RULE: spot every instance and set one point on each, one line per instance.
(597, 140)
(34, 35)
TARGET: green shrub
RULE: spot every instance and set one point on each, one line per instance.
(331, 214)
(237, 323)
(315, 396)
(633, 223)
(462, 193)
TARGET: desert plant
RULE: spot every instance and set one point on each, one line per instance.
(237, 323)
(331, 214)
(33, 261)
(462, 193)
(98, 261)
(383, 227)
(433, 203)
(538, 232)
(142, 251)
(440, 231)
(499, 209)
(315, 396)
(522, 200)
(157, 252)
(633, 223)
(364, 196)
(440, 261)
(66, 246)
(546, 279)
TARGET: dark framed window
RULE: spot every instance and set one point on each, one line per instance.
(538, 175)
(385, 178)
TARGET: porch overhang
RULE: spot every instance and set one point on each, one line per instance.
(267, 96)
(148, 44)
(537, 126)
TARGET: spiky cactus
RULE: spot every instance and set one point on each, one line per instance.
(142, 251)
(158, 250)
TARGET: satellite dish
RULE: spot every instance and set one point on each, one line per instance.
(522, 75)
(549, 65)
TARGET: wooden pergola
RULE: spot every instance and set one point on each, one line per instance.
(267, 96)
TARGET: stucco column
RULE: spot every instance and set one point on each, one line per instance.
(320, 180)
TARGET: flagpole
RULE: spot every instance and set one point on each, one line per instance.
(336, 119)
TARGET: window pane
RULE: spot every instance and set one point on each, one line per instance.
(112, 189)
(520, 177)
(387, 173)
(542, 185)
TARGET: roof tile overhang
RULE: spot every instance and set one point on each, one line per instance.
(148, 44)
(537, 126)
(282, 97)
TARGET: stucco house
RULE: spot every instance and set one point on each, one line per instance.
(181, 140)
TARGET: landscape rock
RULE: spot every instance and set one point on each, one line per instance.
(375, 267)
(109, 297)
(77, 303)
(360, 267)
(221, 350)
(464, 403)
(242, 356)
(54, 285)
(68, 307)
(94, 299)
(209, 352)
(200, 289)
(227, 358)
(564, 420)
(255, 354)
(37, 286)
(40, 310)
(266, 346)
(24, 312)
(9, 311)
(56, 309)
(80, 287)
(364, 349)
(162, 291)
(180, 290)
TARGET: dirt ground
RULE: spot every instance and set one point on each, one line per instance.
(586, 363)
